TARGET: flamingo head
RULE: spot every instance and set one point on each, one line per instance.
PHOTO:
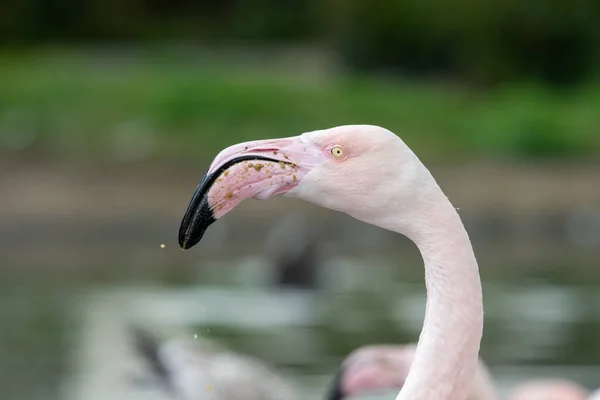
(356, 169)
(372, 369)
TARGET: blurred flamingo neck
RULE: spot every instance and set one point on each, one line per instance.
(447, 353)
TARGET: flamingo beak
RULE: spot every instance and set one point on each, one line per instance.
(258, 169)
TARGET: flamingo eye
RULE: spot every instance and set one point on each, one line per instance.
(337, 152)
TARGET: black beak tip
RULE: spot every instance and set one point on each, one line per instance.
(187, 241)
(198, 216)
(195, 223)
(184, 244)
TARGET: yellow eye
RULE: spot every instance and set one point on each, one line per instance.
(337, 152)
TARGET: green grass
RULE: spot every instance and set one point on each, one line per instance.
(73, 108)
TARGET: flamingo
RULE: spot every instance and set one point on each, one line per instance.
(196, 369)
(374, 368)
(370, 174)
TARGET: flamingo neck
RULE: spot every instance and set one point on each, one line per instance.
(447, 352)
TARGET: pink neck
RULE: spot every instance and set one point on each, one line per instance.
(447, 352)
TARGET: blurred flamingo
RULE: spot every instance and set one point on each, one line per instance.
(371, 369)
(375, 368)
(369, 173)
(195, 369)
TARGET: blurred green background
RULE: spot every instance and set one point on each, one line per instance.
(457, 79)
(111, 110)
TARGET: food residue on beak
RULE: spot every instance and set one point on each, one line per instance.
(229, 195)
(226, 172)
(257, 167)
(294, 177)
(282, 164)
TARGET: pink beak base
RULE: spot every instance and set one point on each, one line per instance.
(258, 169)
